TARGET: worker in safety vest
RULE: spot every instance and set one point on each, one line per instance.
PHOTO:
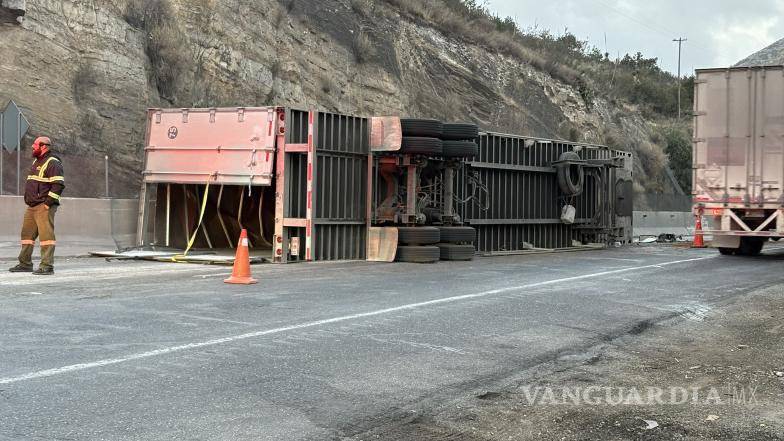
(45, 184)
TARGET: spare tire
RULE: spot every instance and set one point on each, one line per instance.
(460, 132)
(418, 254)
(460, 149)
(452, 251)
(422, 127)
(418, 235)
(458, 234)
(422, 146)
(571, 174)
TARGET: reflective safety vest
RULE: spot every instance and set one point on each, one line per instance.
(45, 182)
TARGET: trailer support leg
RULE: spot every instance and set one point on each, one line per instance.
(411, 194)
(449, 195)
(168, 214)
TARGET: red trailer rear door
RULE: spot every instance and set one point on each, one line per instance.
(233, 146)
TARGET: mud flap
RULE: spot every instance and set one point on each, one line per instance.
(722, 241)
(382, 244)
(386, 134)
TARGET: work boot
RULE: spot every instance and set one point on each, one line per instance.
(44, 271)
(21, 269)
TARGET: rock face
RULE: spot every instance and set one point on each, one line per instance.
(770, 56)
(86, 70)
(11, 10)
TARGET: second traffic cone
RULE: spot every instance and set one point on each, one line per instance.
(240, 275)
(699, 241)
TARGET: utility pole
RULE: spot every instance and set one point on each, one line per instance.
(680, 43)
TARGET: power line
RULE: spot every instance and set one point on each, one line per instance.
(648, 24)
(645, 24)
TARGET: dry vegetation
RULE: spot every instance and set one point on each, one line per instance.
(633, 78)
(364, 50)
(165, 44)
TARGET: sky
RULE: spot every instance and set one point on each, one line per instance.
(719, 32)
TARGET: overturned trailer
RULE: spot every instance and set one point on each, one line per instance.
(310, 185)
(295, 180)
(515, 190)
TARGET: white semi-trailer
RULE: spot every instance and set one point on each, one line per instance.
(738, 156)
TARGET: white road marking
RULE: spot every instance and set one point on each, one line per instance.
(611, 258)
(111, 361)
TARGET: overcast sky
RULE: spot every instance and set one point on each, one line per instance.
(720, 32)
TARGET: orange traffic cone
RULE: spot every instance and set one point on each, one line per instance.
(240, 275)
(699, 242)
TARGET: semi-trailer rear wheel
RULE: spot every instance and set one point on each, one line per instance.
(422, 127)
(418, 235)
(418, 254)
(460, 149)
(414, 145)
(727, 251)
(453, 251)
(751, 246)
(458, 234)
(460, 132)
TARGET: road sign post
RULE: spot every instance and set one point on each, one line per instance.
(13, 127)
(18, 151)
(2, 147)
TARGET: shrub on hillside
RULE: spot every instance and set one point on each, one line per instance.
(165, 44)
(363, 47)
(679, 150)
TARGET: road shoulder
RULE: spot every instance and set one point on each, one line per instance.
(719, 371)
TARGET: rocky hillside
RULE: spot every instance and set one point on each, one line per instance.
(86, 70)
(771, 55)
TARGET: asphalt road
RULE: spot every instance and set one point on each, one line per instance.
(148, 351)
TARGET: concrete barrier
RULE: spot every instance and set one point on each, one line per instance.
(99, 221)
(654, 223)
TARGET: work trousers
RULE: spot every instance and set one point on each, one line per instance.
(38, 223)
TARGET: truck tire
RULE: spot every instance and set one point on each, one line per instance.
(727, 251)
(453, 251)
(422, 127)
(460, 149)
(570, 176)
(460, 132)
(418, 254)
(413, 145)
(418, 235)
(751, 246)
(458, 235)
